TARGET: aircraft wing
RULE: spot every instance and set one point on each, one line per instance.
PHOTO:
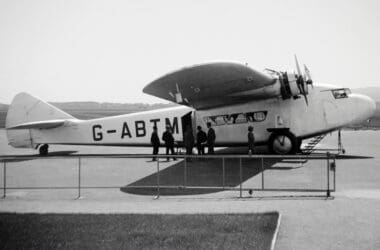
(39, 125)
(211, 85)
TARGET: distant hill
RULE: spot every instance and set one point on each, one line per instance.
(4, 106)
(373, 92)
(91, 110)
(135, 107)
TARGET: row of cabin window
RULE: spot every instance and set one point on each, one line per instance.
(236, 118)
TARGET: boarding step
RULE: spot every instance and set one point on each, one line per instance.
(310, 147)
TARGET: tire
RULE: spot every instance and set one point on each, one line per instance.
(44, 149)
(282, 143)
(299, 144)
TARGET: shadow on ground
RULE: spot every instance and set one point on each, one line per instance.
(206, 175)
(202, 175)
(32, 157)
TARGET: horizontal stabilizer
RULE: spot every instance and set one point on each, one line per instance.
(39, 124)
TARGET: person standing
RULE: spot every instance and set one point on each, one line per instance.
(189, 140)
(201, 138)
(155, 141)
(210, 138)
(168, 138)
(251, 140)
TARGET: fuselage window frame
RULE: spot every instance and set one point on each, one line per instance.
(236, 118)
(341, 93)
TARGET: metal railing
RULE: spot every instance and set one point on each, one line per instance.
(329, 158)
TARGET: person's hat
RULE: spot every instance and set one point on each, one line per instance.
(250, 128)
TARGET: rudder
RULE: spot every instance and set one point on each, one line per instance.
(26, 108)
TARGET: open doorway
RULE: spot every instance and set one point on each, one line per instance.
(186, 121)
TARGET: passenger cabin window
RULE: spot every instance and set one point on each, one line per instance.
(236, 118)
(341, 93)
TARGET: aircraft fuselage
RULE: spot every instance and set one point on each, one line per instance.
(326, 111)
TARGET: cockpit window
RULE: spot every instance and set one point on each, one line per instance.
(341, 93)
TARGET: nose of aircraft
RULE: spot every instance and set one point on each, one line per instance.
(365, 107)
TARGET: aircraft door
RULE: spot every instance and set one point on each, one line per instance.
(187, 120)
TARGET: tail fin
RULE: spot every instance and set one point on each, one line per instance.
(26, 109)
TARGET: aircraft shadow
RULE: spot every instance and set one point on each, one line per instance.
(55, 153)
(62, 153)
(200, 173)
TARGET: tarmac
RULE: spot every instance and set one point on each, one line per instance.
(349, 220)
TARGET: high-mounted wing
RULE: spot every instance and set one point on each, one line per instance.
(212, 85)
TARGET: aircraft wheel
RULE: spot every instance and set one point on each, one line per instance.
(44, 149)
(282, 142)
(299, 144)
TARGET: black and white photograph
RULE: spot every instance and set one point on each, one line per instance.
(189, 124)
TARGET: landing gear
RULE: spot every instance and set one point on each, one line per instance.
(340, 145)
(299, 144)
(44, 149)
(283, 142)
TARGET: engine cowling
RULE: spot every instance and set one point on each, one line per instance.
(291, 85)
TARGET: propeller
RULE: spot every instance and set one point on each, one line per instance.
(309, 81)
(302, 85)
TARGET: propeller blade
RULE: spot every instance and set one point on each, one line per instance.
(308, 76)
(304, 93)
(307, 102)
(298, 66)
(301, 82)
(307, 71)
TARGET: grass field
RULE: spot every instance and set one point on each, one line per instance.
(137, 231)
(3, 115)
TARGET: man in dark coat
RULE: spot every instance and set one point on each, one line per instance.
(210, 138)
(168, 138)
(155, 141)
(188, 140)
(201, 138)
(251, 140)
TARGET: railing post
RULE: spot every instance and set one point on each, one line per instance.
(328, 174)
(158, 179)
(185, 174)
(223, 173)
(262, 173)
(79, 177)
(5, 179)
(334, 173)
(241, 178)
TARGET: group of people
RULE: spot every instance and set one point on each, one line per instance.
(167, 137)
(202, 139)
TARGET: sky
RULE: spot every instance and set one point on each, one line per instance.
(107, 51)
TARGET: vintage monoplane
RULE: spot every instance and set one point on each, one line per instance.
(283, 107)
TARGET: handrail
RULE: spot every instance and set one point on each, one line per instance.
(182, 156)
(9, 158)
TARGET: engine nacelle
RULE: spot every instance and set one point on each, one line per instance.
(290, 85)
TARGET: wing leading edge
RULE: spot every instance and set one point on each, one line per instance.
(212, 85)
